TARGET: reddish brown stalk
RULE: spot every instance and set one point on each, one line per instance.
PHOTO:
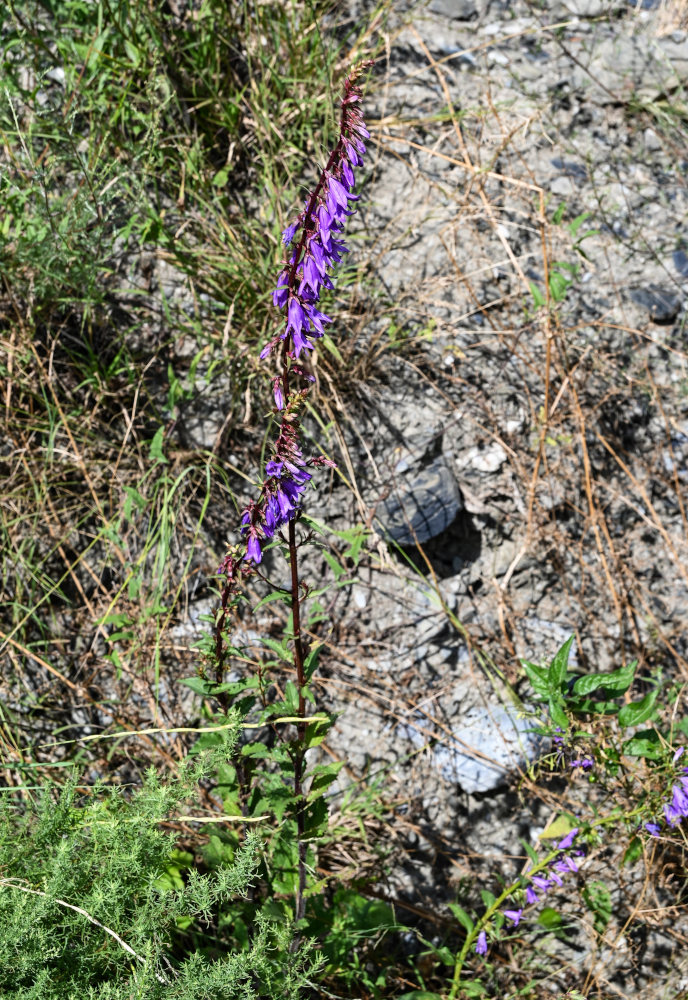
(300, 752)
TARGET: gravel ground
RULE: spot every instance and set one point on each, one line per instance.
(521, 470)
(537, 457)
(530, 463)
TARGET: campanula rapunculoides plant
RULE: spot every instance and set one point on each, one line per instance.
(314, 247)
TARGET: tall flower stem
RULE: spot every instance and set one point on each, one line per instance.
(314, 249)
(300, 751)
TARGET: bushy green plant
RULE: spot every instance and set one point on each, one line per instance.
(93, 902)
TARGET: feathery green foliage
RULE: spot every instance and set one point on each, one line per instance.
(83, 864)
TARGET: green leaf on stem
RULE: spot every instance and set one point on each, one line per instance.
(638, 711)
(461, 915)
(644, 744)
(556, 674)
(616, 682)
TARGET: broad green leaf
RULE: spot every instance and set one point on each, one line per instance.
(559, 828)
(333, 563)
(206, 688)
(538, 297)
(221, 177)
(419, 995)
(633, 851)
(155, 446)
(644, 744)
(557, 713)
(538, 679)
(315, 818)
(291, 698)
(559, 214)
(638, 711)
(530, 850)
(558, 286)
(559, 665)
(461, 916)
(330, 346)
(281, 648)
(276, 595)
(322, 777)
(578, 222)
(311, 662)
(256, 750)
(617, 681)
(471, 989)
(316, 732)
(550, 918)
(488, 898)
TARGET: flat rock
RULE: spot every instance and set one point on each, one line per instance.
(663, 304)
(488, 744)
(457, 10)
(421, 505)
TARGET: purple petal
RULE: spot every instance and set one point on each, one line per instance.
(513, 915)
(273, 468)
(317, 319)
(481, 946)
(296, 316)
(311, 274)
(281, 292)
(301, 343)
(653, 829)
(277, 392)
(564, 844)
(288, 234)
(348, 176)
(253, 549)
(540, 882)
(285, 505)
(338, 191)
(318, 255)
(673, 817)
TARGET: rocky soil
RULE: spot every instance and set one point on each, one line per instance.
(530, 462)
(513, 438)
(514, 434)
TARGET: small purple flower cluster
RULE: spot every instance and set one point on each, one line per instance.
(305, 274)
(286, 477)
(562, 865)
(562, 752)
(321, 222)
(676, 808)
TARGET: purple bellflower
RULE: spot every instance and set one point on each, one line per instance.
(675, 809)
(314, 248)
(318, 248)
(481, 945)
(560, 866)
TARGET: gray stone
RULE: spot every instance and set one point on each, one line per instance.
(652, 142)
(457, 10)
(663, 304)
(420, 506)
(488, 744)
(591, 8)
(562, 186)
(570, 168)
(488, 459)
(680, 259)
